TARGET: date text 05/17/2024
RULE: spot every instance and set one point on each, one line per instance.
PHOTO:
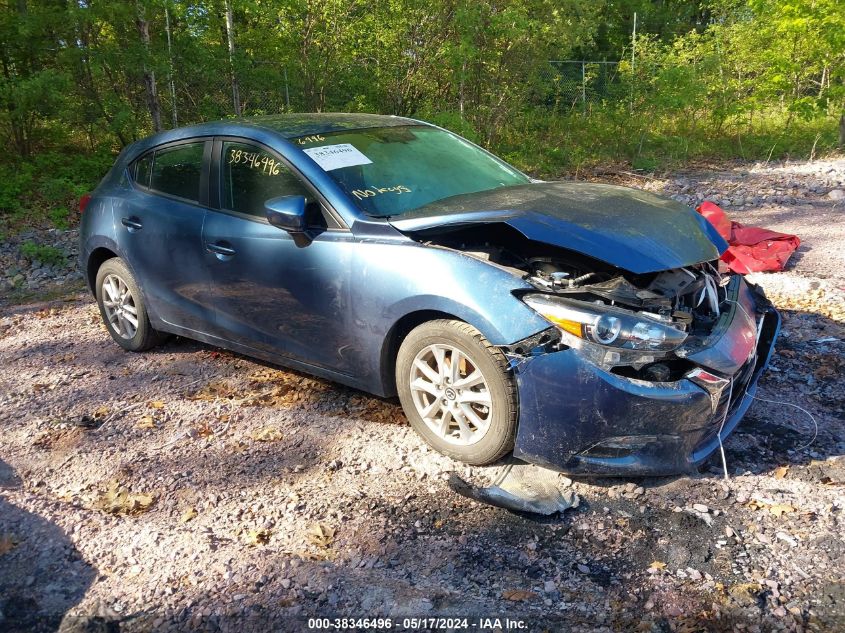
(417, 624)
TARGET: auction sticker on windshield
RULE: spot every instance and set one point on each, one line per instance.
(337, 156)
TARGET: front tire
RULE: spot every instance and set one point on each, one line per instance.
(122, 307)
(457, 392)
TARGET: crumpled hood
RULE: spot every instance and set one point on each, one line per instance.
(627, 228)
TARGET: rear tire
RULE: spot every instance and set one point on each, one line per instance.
(457, 391)
(122, 307)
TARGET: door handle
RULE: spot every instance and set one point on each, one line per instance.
(132, 223)
(221, 249)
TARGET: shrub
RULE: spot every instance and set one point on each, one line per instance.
(45, 254)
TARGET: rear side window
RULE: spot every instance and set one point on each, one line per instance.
(143, 168)
(251, 176)
(177, 170)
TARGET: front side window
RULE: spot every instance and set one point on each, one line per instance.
(251, 176)
(392, 170)
(177, 170)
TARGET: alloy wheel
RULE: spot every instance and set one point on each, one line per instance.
(451, 394)
(119, 304)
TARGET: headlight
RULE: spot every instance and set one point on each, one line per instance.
(606, 325)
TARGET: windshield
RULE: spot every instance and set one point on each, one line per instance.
(388, 171)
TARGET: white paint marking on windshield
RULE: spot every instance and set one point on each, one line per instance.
(337, 156)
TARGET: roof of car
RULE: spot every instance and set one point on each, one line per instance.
(289, 126)
(295, 125)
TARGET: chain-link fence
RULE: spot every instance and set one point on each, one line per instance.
(573, 85)
(563, 86)
(261, 88)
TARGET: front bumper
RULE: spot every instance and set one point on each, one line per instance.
(580, 419)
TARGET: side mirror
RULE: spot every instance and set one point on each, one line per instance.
(287, 213)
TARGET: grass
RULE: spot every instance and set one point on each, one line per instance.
(46, 254)
(43, 192)
(551, 145)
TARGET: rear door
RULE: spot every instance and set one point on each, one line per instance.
(159, 228)
(270, 293)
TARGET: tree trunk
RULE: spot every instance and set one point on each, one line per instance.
(842, 132)
(230, 38)
(150, 88)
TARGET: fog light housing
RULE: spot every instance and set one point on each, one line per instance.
(657, 372)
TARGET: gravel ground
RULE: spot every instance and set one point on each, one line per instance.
(190, 488)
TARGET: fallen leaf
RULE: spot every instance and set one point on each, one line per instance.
(266, 434)
(267, 375)
(238, 446)
(204, 430)
(746, 594)
(310, 555)
(780, 509)
(657, 565)
(7, 543)
(320, 535)
(157, 404)
(146, 422)
(780, 472)
(101, 412)
(137, 503)
(777, 509)
(119, 500)
(215, 390)
(257, 537)
(518, 595)
(188, 515)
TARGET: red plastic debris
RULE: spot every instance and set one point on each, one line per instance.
(83, 202)
(751, 249)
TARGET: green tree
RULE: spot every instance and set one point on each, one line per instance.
(32, 87)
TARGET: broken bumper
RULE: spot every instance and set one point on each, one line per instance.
(579, 418)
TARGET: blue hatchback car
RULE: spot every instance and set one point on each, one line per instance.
(584, 327)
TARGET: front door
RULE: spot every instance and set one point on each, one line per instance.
(271, 294)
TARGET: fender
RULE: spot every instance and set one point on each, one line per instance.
(103, 241)
(463, 312)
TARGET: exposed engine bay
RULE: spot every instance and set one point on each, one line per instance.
(687, 300)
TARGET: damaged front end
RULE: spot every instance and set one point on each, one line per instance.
(638, 374)
(648, 374)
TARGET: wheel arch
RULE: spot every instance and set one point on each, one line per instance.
(397, 333)
(97, 258)
(100, 254)
(497, 330)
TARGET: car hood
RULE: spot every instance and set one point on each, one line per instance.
(627, 228)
